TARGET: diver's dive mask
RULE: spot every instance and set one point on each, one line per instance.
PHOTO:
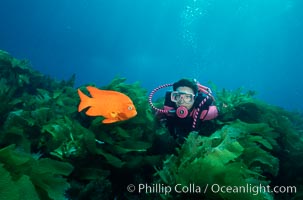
(177, 96)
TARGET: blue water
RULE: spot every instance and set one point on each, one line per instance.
(254, 44)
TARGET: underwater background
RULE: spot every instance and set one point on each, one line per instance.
(248, 51)
(254, 44)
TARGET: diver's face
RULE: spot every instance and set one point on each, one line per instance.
(186, 93)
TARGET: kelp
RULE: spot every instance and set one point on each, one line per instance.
(229, 157)
(24, 177)
(254, 143)
(32, 105)
(40, 128)
(287, 125)
(6, 94)
(228, 101)
(286, 137)
(250, 142)
(40, 117)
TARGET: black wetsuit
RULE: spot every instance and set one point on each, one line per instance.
(181, 127)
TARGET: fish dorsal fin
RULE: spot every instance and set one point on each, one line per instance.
(95, 92)
(92, 112)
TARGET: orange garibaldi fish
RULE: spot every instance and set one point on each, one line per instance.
(112, 105)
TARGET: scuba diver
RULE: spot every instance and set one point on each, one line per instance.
(186, 107)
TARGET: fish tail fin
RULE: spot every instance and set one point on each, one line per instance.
(84, 101)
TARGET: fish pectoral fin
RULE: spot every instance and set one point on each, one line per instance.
(122, 116)
(113, 117)
(108, 121)
(117, 115)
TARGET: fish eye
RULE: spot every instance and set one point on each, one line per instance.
(130, 108)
